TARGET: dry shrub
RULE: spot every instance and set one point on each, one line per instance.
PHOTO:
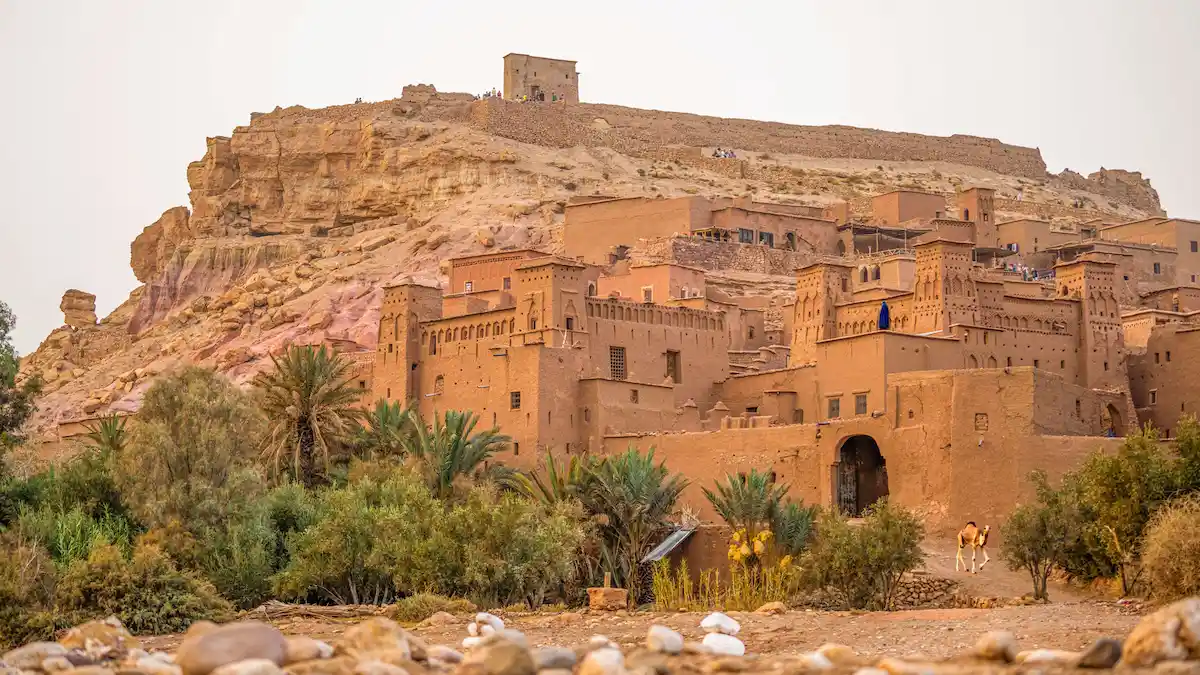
(748, 587)
(27, 578)
(146, 592)
(424, 605)
(1171, 550)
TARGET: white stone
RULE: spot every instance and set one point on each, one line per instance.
(720, 623)
(606, 661)
(720, 643)
(491, 620)
(815, 661)
(473, 629)
(663, 639)
(600, 642)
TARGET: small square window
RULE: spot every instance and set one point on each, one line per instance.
(1062, 365)
(1106, 365)
(1194, 249)
(1078, 408)
(514, 400)
(633, 395)
(835, 407)
(516, 448)
(647, 294)
(1157, 268)
(362, 384)
(1153, 396)
(860, 404)
(1168, 356)
(470, 286)
(570, 323)
(1156, 357)
(507, 283)
(1008, 362)
(1037, 363)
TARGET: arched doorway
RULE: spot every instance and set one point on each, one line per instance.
(860, 475)
(1114, 425)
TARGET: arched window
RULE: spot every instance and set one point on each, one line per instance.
(532, 322)
(875, 272)
(862, 274)
(591, 289)
(439, 385)
(512, 325)
(991, 362)
(972, 362)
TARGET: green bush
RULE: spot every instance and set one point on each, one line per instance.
(1114, 496)
(375, 541)
(862, 564)
(146, 592)
(343, 558)
(87, 482)
(191, 456)
(423, 605)
(1171, 550)
(508, 549)
(239, 558)
(1040, 536)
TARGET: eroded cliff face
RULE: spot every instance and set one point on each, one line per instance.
(298, 219)
(1117, 185)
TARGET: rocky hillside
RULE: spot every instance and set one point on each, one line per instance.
(299, 219)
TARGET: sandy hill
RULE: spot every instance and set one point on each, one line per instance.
(299, 219)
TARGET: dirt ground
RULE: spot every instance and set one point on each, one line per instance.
(931, 633)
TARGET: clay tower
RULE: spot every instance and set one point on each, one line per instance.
(404, 307)
(818, 288)
(943, 291)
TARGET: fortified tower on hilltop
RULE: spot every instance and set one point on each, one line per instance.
(540, 79)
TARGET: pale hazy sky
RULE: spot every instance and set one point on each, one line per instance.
(105, 102)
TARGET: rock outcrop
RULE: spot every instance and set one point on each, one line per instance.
(1118, 185)
(78, 308)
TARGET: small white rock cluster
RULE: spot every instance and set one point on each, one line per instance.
(484, 625)
(721, 629)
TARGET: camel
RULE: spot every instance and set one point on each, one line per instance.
(975, 538)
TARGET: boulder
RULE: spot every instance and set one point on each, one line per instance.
(376, 634)
(30, 656)
(1169, 634)
(78, 308)
(206, 647)
(250, 667)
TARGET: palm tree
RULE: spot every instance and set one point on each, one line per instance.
(556, 483)
(747, 502)
(107, 435)
(632, 497)
(310, 403)
(449, 449)
(385, 429)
